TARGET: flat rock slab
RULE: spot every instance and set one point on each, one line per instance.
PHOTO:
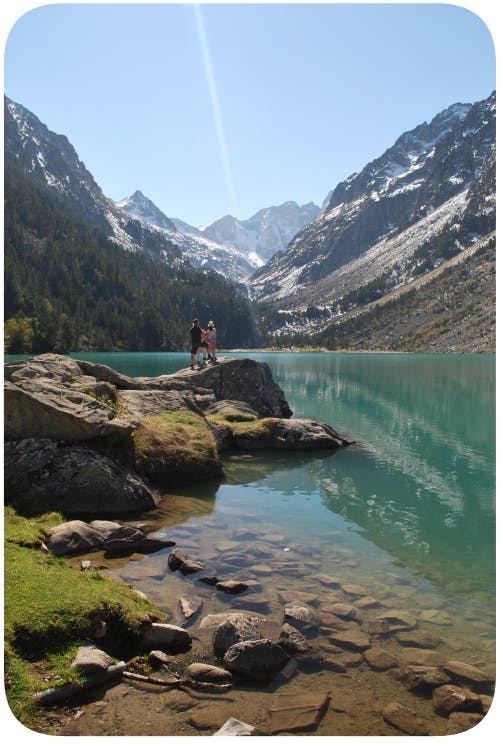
(405, 719)
(353, 640)
(291, 712)
(380, 659)
(296, 597)
(417, 639)
(461, 721)
(344, 610)
(472, 676)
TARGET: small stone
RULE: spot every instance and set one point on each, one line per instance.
(260, 569)
(157, 658)
(202, 673)
(304, 619)
(190, 567)
(232, 586)
(377, 628)
(165, 636)
(208, 580)
(298, 711)
(417, 639)
(260, 659)
(328, 580)
(296, 597)
(354, 640)
(333, 664)
(292, 641)
(190, 606)
(252, 602)
(472, 676)
(367, 603)
(398, 619)
(176, 559)
(416, 656)
(436, 617)
(350, 659)
(461, 721)
(380, 659)
(449, 698)
(344, 610)
(404, 719)
(422, 677)
(354, 590)
(85, 565)
(89, 659)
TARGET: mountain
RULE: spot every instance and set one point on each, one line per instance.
(426, 199)
(268, 231)
(51, 160)
(200, 251)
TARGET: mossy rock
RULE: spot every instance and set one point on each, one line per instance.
(171, 447)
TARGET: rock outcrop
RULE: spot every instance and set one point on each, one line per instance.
(84, 439)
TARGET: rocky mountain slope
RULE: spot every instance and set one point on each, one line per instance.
(51, 160)
(449, 309)
(270, 230)
(426, 199)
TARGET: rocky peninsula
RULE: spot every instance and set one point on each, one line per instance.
(84, 439)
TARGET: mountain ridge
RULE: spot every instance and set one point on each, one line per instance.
(426, 198)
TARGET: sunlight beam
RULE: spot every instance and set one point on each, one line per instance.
(214, 98)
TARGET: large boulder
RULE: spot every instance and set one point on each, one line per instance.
(72, 479)
(243, 379)
(284, 434)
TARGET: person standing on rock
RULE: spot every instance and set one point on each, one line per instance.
(212, 342)
(195, 340)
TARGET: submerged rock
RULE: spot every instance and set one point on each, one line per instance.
(234, 629)
(260, 659)
(405, 719)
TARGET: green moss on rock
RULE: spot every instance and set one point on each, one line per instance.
(171, 447)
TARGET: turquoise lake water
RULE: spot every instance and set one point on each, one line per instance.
(418, 488)
(407, 514)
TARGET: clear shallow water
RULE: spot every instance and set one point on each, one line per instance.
(408, 514)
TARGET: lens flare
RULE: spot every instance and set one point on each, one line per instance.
(214, 99)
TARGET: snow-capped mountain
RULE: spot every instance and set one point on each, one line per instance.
(136, 223)
(52, 160)
(270, 230)
(199, 250)
(426, 198)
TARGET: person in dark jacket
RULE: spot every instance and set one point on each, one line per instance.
(195, 340)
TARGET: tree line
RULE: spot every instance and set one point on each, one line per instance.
(69, 288)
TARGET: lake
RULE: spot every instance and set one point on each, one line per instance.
(404, 518)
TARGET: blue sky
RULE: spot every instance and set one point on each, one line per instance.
(228, 108)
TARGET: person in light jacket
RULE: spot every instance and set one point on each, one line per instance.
(212, 342)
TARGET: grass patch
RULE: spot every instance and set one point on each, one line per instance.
(50, 609)
(170, 447)
(243, 426)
